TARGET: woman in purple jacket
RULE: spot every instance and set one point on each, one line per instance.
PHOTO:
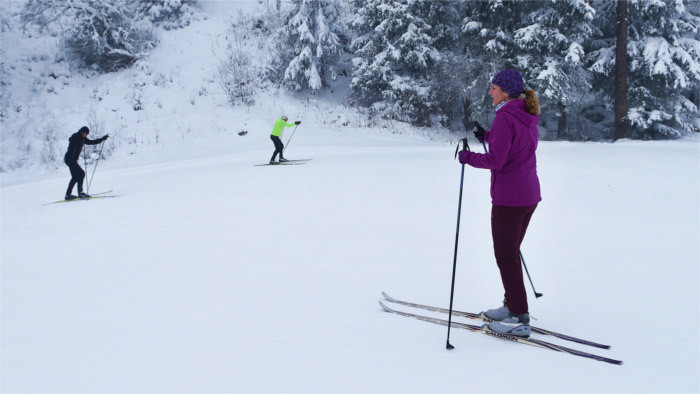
(515, 190)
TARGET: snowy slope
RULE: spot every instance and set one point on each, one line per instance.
(209, 274)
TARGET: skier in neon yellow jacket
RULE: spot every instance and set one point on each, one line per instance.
(277, 129)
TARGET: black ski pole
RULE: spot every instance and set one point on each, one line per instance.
(537, 295)
(290, 138)
(94, 168)
(522, 260)
(85, 164)
(454, 262)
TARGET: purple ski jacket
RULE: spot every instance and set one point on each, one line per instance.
(511, 157)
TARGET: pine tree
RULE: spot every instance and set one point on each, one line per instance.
(543, 40)
(395, 53)
(308, 46)
(664, 66)
(554, 40)
(486, 30)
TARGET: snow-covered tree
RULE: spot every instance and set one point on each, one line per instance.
(170, 14)
(309, 45)
(104, 35)
(543, 40)
(395, 56)
(486, 28)
(107, 35)
(664, 66)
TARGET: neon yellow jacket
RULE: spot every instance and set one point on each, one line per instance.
(279, 126)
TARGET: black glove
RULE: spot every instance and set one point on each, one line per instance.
(479, 132)
(105, 137)
(298, 122)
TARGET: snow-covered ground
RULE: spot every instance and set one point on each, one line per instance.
(209, 274)
(214, 275)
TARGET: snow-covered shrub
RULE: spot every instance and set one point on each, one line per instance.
(6, 16)
(107, 38)
(8, 24)
(96, 123)
(243, 72)
(142, 75)
(5, 86)
(102, 35)
(51, 153)
(237, 76)
(170, 14)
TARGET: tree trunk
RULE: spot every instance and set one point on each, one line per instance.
(621, 107)
(467, 114)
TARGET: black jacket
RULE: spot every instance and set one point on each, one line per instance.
(75, 146)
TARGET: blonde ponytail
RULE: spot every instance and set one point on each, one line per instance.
(532, 105)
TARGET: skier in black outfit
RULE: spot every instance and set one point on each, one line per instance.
(75, 146)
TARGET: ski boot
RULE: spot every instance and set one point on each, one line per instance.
(498, 314)
(516, 325)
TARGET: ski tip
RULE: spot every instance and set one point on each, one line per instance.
(608, 360)
(386, 308)
(389, 298)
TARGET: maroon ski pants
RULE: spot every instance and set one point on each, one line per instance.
(508, 226)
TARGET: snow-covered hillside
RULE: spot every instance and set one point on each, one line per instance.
(210, 274)
(181, 101)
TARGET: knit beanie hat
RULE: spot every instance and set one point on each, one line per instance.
(84, 130)
(510, 81)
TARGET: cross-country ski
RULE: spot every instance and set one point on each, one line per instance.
(284, 163)
(484, 318)
(89, 197)
(485, 330)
